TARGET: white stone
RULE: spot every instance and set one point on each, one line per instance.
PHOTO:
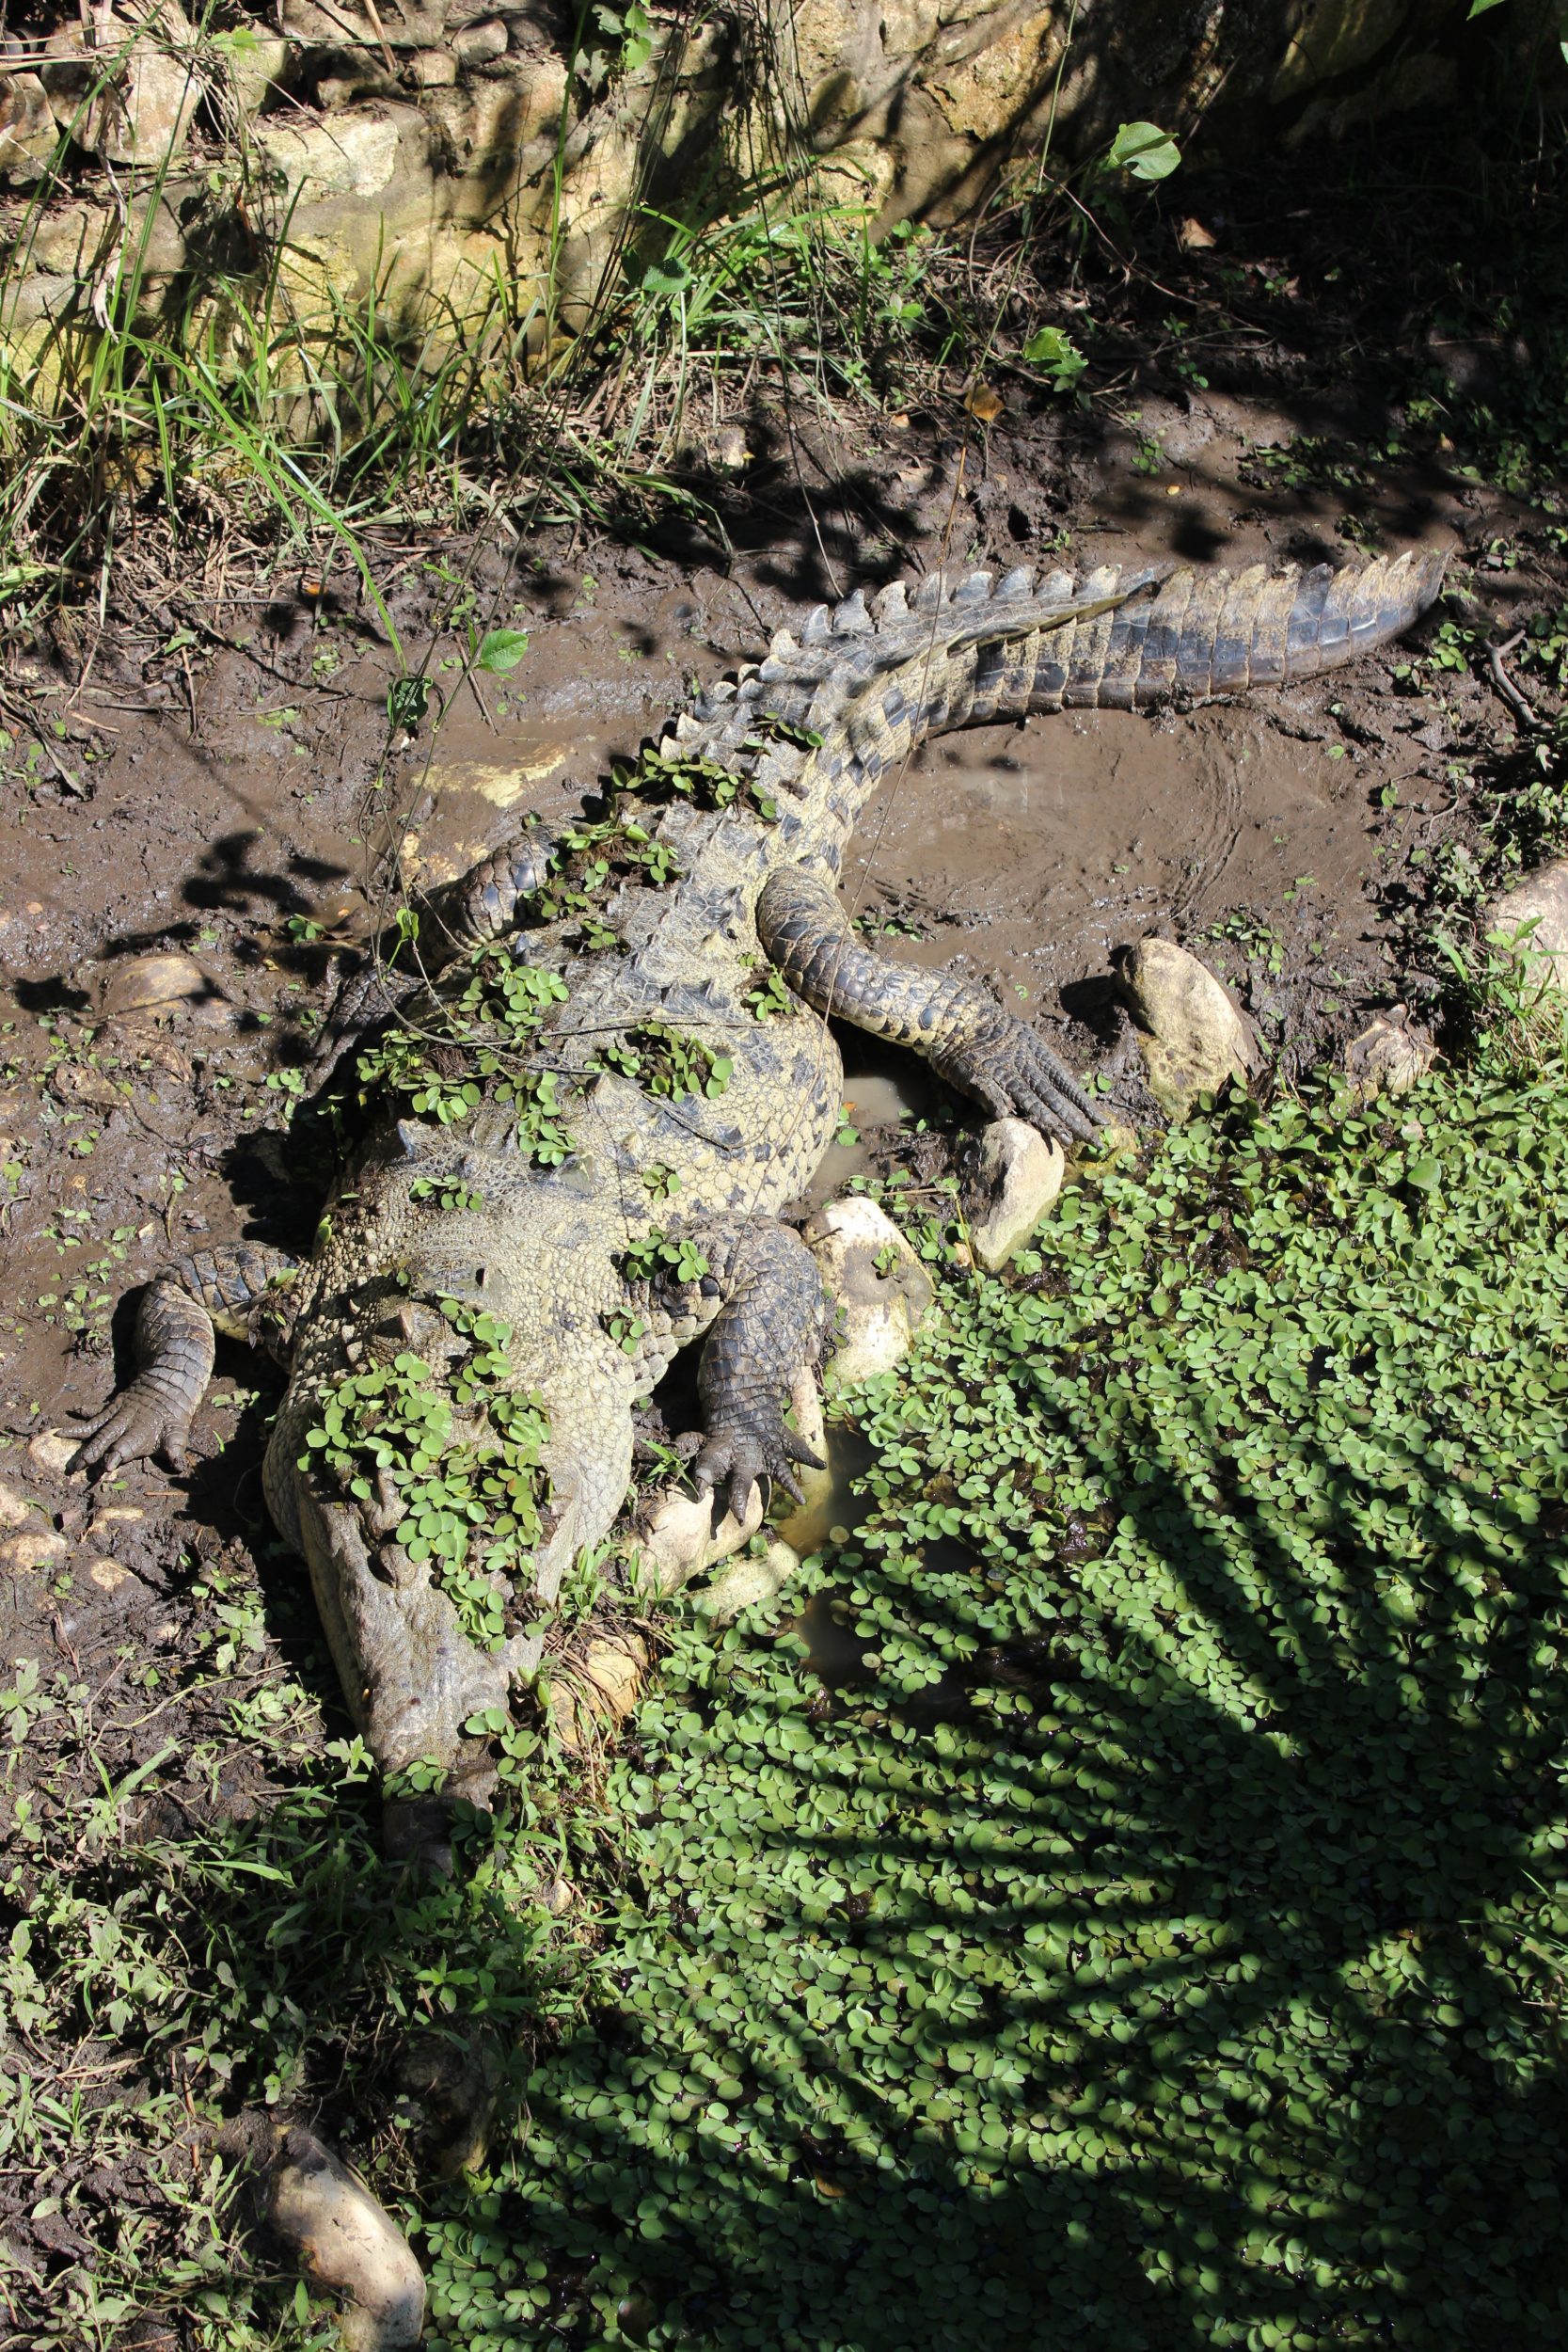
(678, 1540)
(354, 154)
(742, 1583)
(255, 64)
(39, 1549)
(1530, 922)
(1195, 1036)
(52, 1451)
(477, 44)
(1021, 1174)
(347, 2243)
(805, 1400)
(15, 1510)
(874, 1276)
(108, 1575)
(592, 1694)
(1388, 1057)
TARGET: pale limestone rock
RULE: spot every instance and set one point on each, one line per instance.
(15, 1510)
(255, 64)
(131, 97)
(41, 1548)
(354, 154)
(108, 1575)
(52, 1450)
(1021, 1174)
(874, 1276)
(1388, 1057)
(1195, 1036)
(348, 2245)
(433, 69)
(742, 1583)
(1530, 922)
(678, 1540)
(28, 134)
(805, 1400)
(478, 44)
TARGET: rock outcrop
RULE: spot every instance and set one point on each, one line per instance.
(455, 160)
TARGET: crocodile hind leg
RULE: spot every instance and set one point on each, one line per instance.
(238, 1291)
(959, 1030)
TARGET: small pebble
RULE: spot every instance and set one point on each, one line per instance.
(15, 1510)
(23, 1553)
(51, 1452)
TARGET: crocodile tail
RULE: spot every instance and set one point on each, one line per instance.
(1208, 633)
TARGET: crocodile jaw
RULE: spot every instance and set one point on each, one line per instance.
(410, 1674)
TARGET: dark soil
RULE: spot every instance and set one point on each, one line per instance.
(211, 772)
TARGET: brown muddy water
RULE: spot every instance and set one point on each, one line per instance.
(223, 790)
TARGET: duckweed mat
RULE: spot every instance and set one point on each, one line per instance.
(1157, 1938)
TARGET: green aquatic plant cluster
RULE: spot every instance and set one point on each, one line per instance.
(666, 1060)
(463, 1458)
(470, 1045)
(664, 772)
(1147, 1931)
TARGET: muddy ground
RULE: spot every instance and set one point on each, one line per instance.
(213, 777)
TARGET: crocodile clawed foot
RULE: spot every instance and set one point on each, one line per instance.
(138, 1423)
(1016, 1076)
(734, 1459)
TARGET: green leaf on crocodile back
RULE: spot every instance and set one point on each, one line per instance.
(666, 1060)
(767, 998)
(662, 775)
(471, 1044)
(660, 1253)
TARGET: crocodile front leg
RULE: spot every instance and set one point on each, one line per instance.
(760, 1300)
(768, 1332)
(961, 1030)
(239, 1292)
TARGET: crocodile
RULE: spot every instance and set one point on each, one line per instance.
(609, 1069)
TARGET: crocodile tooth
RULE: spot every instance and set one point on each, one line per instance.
(892, 601)
(816, 628)
(929, 595)
(784, 643)
(1018, 582)
(851, 618)
(975, 588)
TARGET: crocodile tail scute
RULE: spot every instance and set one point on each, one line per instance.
(1208, 633)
